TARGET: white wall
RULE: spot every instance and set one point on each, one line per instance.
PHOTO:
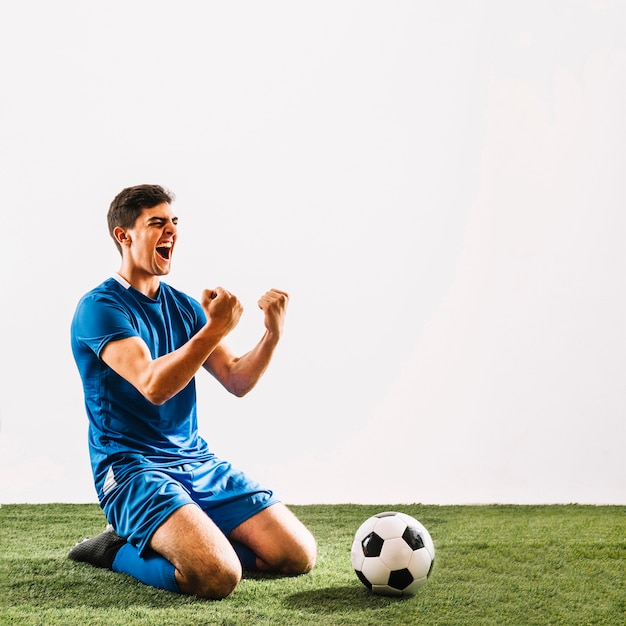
(439, 185)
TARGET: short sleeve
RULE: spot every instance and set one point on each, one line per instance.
(100, 319)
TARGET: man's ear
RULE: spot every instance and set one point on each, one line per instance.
(121, 236)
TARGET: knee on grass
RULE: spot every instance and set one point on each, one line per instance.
(213, 584)
(303, 562)
(294, 563)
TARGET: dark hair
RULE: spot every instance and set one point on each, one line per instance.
(130, 202)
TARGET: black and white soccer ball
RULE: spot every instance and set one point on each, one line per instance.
(392, 554)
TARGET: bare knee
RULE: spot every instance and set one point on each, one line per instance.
(303, 560)
(300, 559)
(205, 563)
(214, 582)
(281, 542)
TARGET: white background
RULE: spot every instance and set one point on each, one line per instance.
(439, 185)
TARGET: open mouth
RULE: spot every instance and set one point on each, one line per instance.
(165, 250)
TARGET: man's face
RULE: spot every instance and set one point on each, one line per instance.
(150, 242)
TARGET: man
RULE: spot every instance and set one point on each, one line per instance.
(180, 518)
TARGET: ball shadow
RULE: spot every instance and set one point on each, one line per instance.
(339, 599)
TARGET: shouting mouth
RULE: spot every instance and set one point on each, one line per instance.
(165, 250)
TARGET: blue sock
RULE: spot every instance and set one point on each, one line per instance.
(151, 569)
(246, 556)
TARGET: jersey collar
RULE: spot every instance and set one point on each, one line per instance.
(121, 281)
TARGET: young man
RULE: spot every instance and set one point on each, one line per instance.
(180, 518)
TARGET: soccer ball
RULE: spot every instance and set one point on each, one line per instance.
(392, 554)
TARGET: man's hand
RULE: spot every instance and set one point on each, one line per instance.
(274, 305)
(239, 374)
(222, 308)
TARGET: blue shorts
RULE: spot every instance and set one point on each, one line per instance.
(149, 493)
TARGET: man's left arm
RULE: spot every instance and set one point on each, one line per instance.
(239, 374)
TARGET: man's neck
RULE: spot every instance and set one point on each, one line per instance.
(148, 285)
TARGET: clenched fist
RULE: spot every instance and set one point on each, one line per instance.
(222, 308)
(274, 304)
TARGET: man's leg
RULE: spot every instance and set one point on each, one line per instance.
(205, 563)
(187, 554)
(279, 540)
(110, 551)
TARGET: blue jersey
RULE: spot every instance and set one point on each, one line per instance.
(123, 425)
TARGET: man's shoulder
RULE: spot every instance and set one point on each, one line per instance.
(101, 313)
(108, 287)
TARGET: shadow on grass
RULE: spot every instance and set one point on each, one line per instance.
(56, 584)
(339, 600)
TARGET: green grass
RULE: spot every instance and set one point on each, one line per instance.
(520, 565)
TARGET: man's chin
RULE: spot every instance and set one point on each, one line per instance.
(162, 266)
(162, 270)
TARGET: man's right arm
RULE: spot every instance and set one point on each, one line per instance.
(160, 379)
